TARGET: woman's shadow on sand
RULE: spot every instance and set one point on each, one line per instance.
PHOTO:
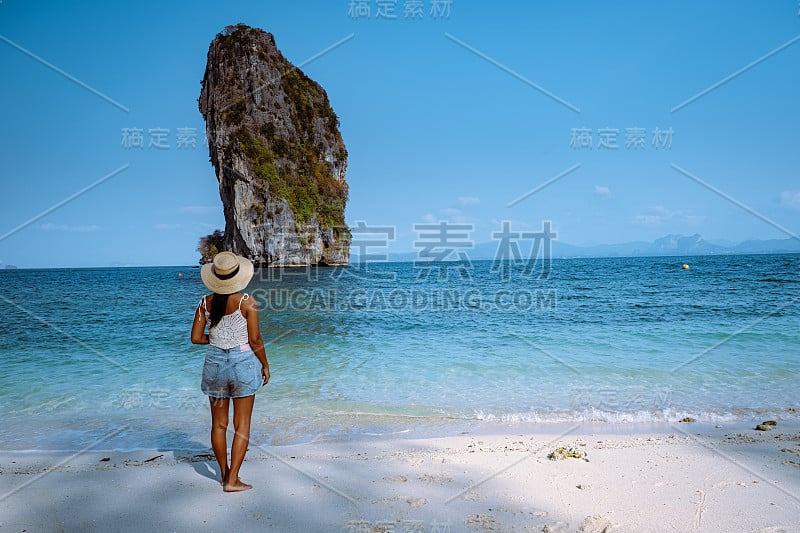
(199, 456)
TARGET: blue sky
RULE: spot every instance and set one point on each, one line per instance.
(447, 118)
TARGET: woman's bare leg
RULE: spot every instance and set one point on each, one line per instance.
(242, 411)
(219, 428)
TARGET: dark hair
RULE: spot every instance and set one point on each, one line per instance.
(218, 304)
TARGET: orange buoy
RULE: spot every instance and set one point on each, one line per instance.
(685, 266)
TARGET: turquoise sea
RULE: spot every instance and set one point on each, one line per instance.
(101, 359)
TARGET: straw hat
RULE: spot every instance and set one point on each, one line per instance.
(228, 273)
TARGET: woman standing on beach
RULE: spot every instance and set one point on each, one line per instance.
(236, 363)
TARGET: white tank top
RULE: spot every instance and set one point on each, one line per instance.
(231, 330)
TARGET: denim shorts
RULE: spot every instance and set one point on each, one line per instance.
(233, 373)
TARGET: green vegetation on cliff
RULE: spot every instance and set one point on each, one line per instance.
(294, 167)
(310, 188)
(210, 245)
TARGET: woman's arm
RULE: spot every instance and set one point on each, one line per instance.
(250, 312)
(199, 335)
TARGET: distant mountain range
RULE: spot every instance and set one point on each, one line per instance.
(680, 245)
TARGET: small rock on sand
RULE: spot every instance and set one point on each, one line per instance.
(595, 524)
(565, 453)
(485, 522)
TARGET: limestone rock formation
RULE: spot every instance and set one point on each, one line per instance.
(279, 157)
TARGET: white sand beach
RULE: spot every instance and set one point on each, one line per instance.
(679, 477)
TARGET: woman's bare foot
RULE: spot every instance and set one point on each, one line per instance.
(237, 486)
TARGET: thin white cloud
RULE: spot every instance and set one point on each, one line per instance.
(468, 200)
(790, 199)
(660, 215)
(430, 219)
(451, 212)
(602, 190)
(648, 220)
(514, 225)
(64, 227)
(167, 226)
